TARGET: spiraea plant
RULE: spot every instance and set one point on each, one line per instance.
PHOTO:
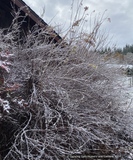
(5, 64)
(67, 102)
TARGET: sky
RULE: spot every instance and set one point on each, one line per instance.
(120, 12)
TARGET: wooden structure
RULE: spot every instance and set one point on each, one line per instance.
(6, 8)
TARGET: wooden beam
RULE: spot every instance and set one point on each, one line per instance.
(34, 16)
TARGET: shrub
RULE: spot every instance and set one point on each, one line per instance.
(65, 104)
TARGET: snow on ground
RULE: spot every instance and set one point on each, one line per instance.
(126, 84)
(127, 89)
(123, 66)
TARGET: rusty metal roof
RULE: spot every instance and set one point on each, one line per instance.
(33, 16)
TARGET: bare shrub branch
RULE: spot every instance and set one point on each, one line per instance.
(68, 102)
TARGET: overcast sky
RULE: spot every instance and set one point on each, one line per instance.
(119, 11)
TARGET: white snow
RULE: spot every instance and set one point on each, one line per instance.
(6, 106)
(120, 66)
(126, 83)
